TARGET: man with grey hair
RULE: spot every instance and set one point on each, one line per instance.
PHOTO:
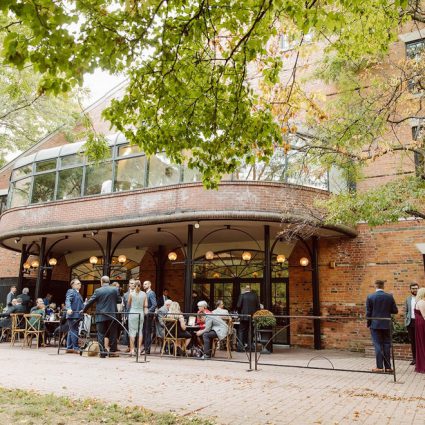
(202, 309)
(26, 299)
(160, 314)
(106, 299)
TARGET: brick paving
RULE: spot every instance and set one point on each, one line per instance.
(227, 392)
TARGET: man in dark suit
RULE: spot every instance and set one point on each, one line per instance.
(106, 298)
(73, 304)
(381, 305)
(248, 304)
(16, 307)
(409, 318)
(162, 298)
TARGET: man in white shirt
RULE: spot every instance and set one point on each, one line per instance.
(409, 318)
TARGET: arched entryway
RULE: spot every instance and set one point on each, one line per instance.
(223, 278)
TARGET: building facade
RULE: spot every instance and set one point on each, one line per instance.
(133, 216)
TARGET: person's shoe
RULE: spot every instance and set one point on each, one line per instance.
(413, 362)
(377, 370)
(204, 357)
(389, 371)
(70, 351)
(148, 351)
(114, 354)
(127, 350)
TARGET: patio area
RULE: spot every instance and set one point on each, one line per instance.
(227, 392)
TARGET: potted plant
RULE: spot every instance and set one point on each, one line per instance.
(264, 321)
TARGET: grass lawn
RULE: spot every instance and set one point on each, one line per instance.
(28, 407)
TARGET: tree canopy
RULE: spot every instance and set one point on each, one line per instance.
(209, 82)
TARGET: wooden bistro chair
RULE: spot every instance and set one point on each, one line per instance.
(18, 327)
(33, 328)
(170, 336)
(227, 340)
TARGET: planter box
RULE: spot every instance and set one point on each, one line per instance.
(401, 351)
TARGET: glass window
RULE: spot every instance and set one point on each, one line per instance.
(3, 203)
(162, 172)
(414, 49)
(98, 179)
(130, 173)
(50, 164)
(21, 193)
(72, 160)
(44, 188)
(127, 150)
(69, 185)
(21, 172)
(191, 175)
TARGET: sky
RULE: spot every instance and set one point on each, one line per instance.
(99, 83)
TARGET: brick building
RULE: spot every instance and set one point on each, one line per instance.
(148, 218)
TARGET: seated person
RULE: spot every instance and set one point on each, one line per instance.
(37, 302)
(35, 321)
(175, 313)
(215, 327)
(202, 309)
(50, 309)
(16, 307)
(219, 308)
(160, 314)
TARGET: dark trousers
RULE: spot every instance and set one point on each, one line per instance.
(411, 332)
(208, 337)
(147, 331)
(382, 342)
(243, 335)
(107, 328)
(72, 337)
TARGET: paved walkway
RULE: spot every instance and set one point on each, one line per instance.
(225, 391)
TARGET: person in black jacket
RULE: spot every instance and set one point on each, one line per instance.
(106, 298)
(248, 304)
(381, 305)
(26, 299)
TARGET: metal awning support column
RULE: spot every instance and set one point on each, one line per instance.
(40, 269)
(24, 257)
(107, 255)
(267, 269)
(316, 291)
(188, 277)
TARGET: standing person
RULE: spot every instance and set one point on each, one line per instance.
(147, 325)
(126, 309)
(106, 298)
(26, 299)
(381, 305)
(420, 331)
(11, 296)
(73, 304)
(164, 297)
(138, 303)
(248, 304)
(409, 318)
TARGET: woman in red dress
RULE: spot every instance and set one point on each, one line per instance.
(420, 331)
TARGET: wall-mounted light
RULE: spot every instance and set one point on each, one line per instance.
(209, 255)
(93, 260)
(197, 225)
(94, 232)
(26, 265)
(17, 240)
(35, 264)
(304, 261)
(246, 256)
(122, 259)
(216, 275)
(280, 258)
(53, 262)
(172, 256)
